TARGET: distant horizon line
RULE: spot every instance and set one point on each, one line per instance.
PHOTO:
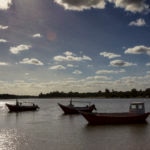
(107, 94)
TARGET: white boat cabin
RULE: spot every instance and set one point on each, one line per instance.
(137, 107)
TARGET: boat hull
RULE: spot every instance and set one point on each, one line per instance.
(15, 108)
(75, 110)
(114, 118)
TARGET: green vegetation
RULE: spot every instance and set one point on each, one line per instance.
(106, 94)
(11, 96)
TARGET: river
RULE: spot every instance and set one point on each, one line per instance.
(49, 129)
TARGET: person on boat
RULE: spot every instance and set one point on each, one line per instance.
(34, 105)
(17, 103)
(71, 103)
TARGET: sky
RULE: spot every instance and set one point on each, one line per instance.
(74, 45)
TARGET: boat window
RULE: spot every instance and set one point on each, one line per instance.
(140, 107)
(133, 106)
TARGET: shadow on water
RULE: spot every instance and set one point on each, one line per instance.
(63, 114)
(69, 116)
(114, 128)
(143, 124)
(122, 136)
(19, 118)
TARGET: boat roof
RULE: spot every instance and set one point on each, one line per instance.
(137, 103)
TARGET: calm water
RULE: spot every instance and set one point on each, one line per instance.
(49, 129)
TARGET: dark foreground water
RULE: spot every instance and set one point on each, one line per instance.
(49, 129)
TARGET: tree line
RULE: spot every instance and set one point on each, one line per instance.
(13, 96)
(106, 94)
(133, 93)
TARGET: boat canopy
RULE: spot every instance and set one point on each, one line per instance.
(137, 107)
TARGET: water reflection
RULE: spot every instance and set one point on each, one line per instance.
(131, 137)
(49, 128)
(3, 107)
(11, 139)
(8, 139)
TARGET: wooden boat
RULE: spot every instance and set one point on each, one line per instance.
(136, 114)
(20, 107)
(71, 109)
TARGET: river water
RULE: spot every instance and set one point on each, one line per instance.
(49, 129)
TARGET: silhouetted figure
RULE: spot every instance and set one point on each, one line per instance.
(17, 103)
(71, 103)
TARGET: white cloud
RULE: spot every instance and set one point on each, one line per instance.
(121, 63)
(58, 67)
(86, 58)
(109, 55)
(110, 71)
(3, 64)
(19, 48)
(77, 72)
(89, 66)
(68, 53)
(148, 64)
(98, 78)
(32, 61)
(5, 4)
(3, 41)
(131, 5)
(138, 50)
(27, 73)
(3, 27)
(80, 5)
(70, 65)
(139, 22)
(91, 83)
(136, 79)
(37, 35)
(69, 56)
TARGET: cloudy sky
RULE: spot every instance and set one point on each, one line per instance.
(74, 45)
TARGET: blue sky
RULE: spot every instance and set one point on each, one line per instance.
(74, 45)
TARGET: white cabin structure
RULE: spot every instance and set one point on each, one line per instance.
(137, 107)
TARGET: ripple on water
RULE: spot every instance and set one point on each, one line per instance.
(11, 140)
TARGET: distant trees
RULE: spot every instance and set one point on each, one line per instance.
(7, 96)
(147, 92)
(107, 94)
(11, 96)
(133, 93)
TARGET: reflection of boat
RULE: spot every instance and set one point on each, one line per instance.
(136, 114)
(20, 107)
(71, 109)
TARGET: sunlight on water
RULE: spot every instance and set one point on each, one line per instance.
(10, 140)
(48, 128)
(2, 106)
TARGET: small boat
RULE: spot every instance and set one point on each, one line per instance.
(136, 114)
(18, 107)
(71, 109)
